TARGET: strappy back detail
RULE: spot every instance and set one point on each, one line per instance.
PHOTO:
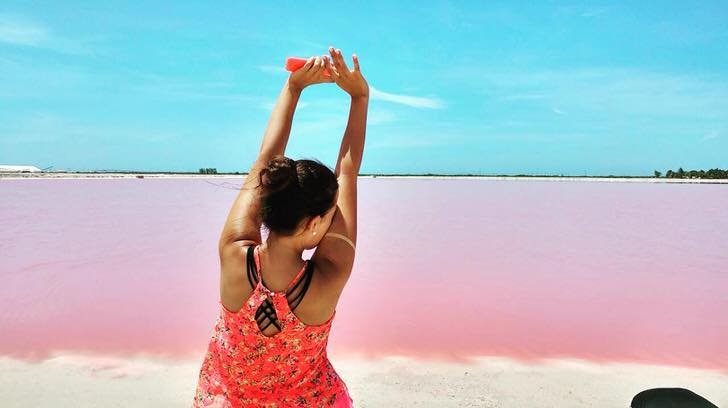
(266, 313)
(288, 367)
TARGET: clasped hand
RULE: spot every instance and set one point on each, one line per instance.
(351, 81)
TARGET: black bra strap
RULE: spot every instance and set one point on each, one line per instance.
(267, 311)
(252, 274)
(306, 280)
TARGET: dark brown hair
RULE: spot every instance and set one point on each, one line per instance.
(293, 190)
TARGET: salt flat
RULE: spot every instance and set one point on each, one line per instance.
(59, 175)
(92, 381)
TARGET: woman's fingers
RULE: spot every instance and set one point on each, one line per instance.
(314, 70)
(316, 73)
(338, 59)
(328, 67)
(308, 64)
(332, 68)
(342, 63)
(334, 63)
(320, 67)
(334, 72)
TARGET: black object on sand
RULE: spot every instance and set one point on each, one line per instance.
(670, 398)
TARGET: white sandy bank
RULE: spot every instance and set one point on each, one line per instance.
(106, 176)
(80, 381)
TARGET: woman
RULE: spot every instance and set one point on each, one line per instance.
(269, 344)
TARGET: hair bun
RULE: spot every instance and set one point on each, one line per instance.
(279, 174)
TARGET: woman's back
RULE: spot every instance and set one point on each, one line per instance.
(264, 355)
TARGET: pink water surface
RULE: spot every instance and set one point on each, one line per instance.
(444, 269)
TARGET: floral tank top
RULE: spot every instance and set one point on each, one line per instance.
(245, 368)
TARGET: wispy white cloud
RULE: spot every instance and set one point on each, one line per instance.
(17, 31)
(158, 86)
(525, 97)
(20, 31)
(405, 141)
(273, 69)
(605, 91)
(580, 11)
(57, 81)
(381, 117)
(515, 123)
(310, 44)
(324, 125)
(593, 12)
(414, 101)
(710, 135)
(557, 111)
(43, 127)
(269, 105)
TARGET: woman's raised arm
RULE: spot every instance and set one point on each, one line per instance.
(242, 225)
(336, 253)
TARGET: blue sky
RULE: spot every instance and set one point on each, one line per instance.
(506, 88)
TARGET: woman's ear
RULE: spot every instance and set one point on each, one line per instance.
(313, 223)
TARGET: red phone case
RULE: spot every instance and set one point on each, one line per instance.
(295, 63)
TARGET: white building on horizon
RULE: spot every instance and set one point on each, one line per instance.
(18, 169)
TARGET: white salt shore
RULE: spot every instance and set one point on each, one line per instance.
(82, 381)
(62, 176)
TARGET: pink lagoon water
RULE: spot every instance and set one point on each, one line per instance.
(445, 268)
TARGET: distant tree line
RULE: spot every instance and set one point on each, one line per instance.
(208, 171)
(681, 174)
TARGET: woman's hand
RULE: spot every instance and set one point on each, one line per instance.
(312, 72)
(350, 81)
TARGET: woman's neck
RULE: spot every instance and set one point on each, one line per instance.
(283, 249)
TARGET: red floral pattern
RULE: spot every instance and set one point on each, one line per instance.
(245, 368)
